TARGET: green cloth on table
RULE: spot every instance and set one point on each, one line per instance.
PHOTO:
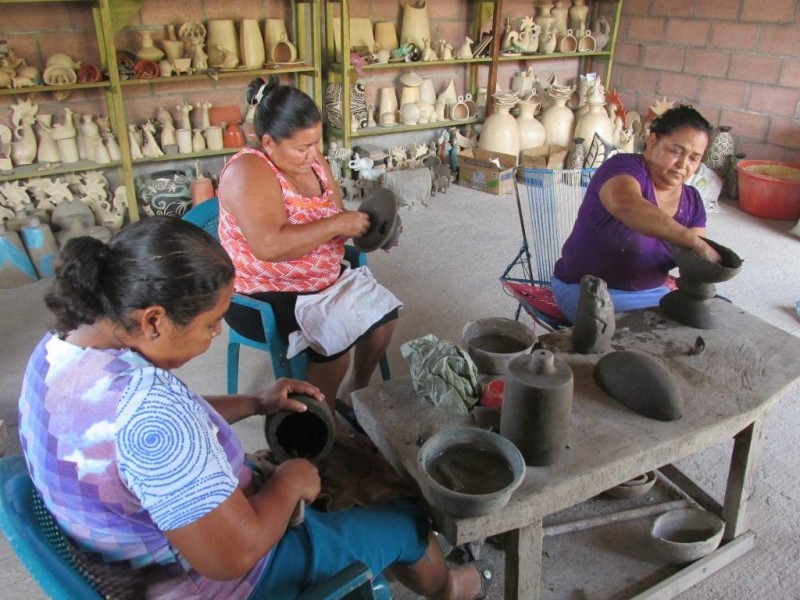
(443, 373)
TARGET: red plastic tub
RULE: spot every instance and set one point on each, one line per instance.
(763, 196)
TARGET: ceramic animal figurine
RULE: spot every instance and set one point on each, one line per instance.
(205, 122)
(336, 156)
(184, 109)
(349, 188)
(151, 148)
(465, 49)
(595, 324)
(136, 150)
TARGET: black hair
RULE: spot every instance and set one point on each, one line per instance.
(158, 261)
(282, 110)
(682, 115)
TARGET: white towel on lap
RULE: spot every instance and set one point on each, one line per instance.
(333, 319)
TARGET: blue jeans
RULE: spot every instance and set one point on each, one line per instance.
(567, 294)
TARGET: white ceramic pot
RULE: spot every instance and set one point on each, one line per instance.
(214, 138)
(558, 122)
(500, 132)
(427, 93)
(595, 120)
(409, 95)
(416, 26)
(531, 131)
(252, 44)
(184, 139)
(387, 101)
(577, 17)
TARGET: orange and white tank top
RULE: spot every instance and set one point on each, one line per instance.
(313, 272)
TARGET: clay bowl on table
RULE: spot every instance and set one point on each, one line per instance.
(638, 486)
(687, 534)
(469, 472)
(694, 268)
(494, 342)
(384, 222)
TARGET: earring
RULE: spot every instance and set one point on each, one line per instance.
(155, 335)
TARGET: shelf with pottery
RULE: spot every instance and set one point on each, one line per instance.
(187, 156)
(412, 65)
(299, 68)
(400, 128)
(39, 89)
(554, 55)
(39, 170)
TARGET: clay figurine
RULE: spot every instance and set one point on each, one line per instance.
(595, 324)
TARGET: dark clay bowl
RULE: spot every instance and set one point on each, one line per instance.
(381, 206)
(694, 268)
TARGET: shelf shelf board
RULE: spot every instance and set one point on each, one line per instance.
(36, 170)
(554, 55)
(179, 157)
(378, 130)
(338, 67)
(277, 69)
(38, 89)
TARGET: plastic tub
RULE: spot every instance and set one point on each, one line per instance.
(769, 197)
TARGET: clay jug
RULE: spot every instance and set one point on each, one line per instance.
(48, 148)
(501, 132)
(531, 131)
(252, 44)
(16, 267)
(41, 247)
(561, 14)
(537, 406)
(233, 136)
(595, 120)
(545, 20)
(577, 18)
(558, 122)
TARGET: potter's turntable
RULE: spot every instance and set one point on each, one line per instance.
(384, 221)
(690, 303)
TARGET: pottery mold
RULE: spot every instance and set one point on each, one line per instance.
(309, 434)
(687, 534)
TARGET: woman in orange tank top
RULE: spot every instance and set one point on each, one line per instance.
(283, 224)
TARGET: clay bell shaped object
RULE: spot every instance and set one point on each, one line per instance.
(640, 382)
(411, 79)
(695, 268)
(309, 434)
(384, 221)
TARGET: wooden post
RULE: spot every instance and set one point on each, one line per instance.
(742, 479)
(3, 438)
(524, 562)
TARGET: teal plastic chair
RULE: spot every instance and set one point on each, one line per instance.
(42, 548)
(206, 216)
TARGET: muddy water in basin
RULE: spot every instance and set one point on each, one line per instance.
(466, 469)
(499, 344)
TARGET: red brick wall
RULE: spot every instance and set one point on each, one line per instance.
(737, 61)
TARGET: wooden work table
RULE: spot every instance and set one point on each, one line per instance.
(746, 367)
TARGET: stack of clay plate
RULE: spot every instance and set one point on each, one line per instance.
(505, 99)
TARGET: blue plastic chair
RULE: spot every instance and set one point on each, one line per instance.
(42, 547)
(206, 216)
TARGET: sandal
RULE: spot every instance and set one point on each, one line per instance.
(486, 571)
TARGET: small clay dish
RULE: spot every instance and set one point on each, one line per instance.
(687, 534)
(146, 69)
(638, 486)
(127, 59)
(89, 74)
(381, 206)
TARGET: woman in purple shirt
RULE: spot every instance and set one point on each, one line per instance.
(635, 207)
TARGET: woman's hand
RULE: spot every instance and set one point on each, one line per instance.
(352, 223)
(705, 251)
(302, 476)
(276, 396)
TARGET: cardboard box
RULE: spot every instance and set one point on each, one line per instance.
(476, 171)
(545, 157)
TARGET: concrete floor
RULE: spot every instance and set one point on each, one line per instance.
(446, 271)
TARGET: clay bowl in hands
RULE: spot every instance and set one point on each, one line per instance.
(494, 342)
(687, 534)
(694, 268)
(469, 472)
(638, 486)
(384, 225)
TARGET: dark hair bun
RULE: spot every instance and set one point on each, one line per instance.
(255, 85)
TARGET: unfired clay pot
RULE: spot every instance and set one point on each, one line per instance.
(501, 132)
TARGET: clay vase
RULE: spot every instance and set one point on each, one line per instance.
(164, 193)
(501, 132)
(595, 120)
(309, 434)
(221, 33)
(558, 122)
(561, 15)
(732, 180)
(253, 50)
(720, 152)
(575, 159)
(416, 27)
(545, 20)
(148, 50)
(16, 268)
(537, 406)
(233, 136)
(578, 14)
(386, 35)
(531, 131)
(48, 148)
(41, 247)
(198, 141)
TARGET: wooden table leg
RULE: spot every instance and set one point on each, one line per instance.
(524, 563)
(741, 479)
